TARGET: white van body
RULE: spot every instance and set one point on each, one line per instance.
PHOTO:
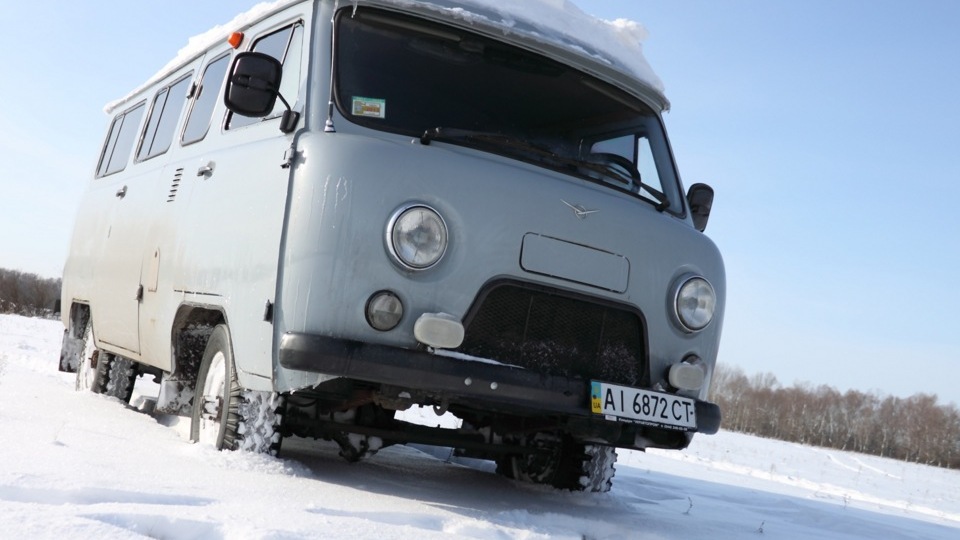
(457, 211)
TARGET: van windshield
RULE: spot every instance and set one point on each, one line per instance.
(413, 77)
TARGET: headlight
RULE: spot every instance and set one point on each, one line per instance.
(695, 302)
(417, 237)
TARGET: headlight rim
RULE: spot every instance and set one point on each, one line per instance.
(678, 318)
(392, 248)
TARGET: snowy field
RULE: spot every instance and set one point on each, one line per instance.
(83, 466)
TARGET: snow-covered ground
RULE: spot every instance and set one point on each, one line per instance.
(78, 465)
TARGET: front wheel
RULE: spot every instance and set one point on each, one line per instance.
(562, 462)
(225, 415)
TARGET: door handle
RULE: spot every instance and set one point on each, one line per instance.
(122, 192)
(206, 170)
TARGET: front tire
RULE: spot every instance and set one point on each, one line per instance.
(562, 462)
(225, 415)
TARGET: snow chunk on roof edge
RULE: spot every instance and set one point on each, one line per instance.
(617, 43)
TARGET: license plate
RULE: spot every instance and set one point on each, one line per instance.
(626, 404)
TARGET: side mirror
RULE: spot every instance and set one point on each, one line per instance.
(253, 85)
(700, 199)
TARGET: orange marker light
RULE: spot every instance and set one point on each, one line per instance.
(235, 39)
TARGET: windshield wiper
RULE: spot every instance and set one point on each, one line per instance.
(514, 145)
(489, 137)
(621, 172)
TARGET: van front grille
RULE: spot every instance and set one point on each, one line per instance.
(556, 334)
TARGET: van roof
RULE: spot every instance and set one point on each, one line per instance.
(614, 47)
(563, 28)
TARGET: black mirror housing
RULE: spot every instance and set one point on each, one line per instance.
(700, 199)
(253, 85)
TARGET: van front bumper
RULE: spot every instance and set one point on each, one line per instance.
(459, 380)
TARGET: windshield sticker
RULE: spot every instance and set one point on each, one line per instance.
(369, 107)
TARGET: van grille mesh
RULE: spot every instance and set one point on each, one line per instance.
(556, 334)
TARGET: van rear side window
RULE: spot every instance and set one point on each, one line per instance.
(198, 124)
(123, 132)
(164, 115)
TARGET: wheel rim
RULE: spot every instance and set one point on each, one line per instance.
(212, 400)
(538, 467)
(87, 370)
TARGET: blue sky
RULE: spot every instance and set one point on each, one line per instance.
(830, 131)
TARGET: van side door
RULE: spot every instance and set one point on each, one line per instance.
(121, 189)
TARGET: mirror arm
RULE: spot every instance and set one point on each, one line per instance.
(288, 122)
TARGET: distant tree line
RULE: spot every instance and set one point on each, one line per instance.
(915, 429)
(28, 294)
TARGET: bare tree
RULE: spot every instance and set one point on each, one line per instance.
(27, 294)
(916, 429)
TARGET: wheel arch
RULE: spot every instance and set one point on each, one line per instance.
(189, 334)
(191, 329)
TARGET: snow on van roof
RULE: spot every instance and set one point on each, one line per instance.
(198, 44)
(617, 43)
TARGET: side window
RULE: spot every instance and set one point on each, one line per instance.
(162, 122)
(123, 132)
(622, 146)
(198, 123)
(285, 45)
(645, 163)
(637, 148)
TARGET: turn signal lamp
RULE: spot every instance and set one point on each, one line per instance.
(384, 311)
(687, 375)
(235, 39)
(439, 330)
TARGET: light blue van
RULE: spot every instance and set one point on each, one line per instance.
(341, 210)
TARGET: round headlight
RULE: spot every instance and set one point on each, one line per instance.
(417, 237)
(695, 304)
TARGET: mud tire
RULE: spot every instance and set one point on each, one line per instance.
(91, 374)
(121, 375)
(227, 416)
(562, 462)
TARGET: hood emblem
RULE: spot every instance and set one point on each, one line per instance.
(579, 210)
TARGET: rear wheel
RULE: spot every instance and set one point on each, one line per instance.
(121, 375)
(89, 377)
(225, 415)
(101, 372)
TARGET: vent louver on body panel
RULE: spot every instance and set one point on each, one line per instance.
(175, 186)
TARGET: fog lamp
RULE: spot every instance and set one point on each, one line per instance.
(384, 311)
